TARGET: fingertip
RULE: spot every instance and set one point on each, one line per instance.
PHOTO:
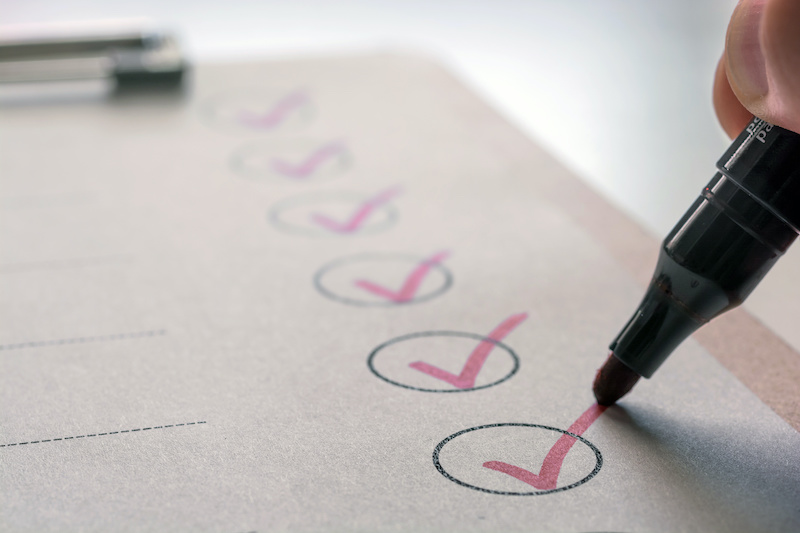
(732, 115)
(780, 35)
(762, 63)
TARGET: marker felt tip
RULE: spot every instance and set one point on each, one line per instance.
(742, 222)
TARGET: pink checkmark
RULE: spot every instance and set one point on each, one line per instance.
(358, 218)
(475, 361)
(547, 477)
(307, 166)
(275, 116)
(410, 285)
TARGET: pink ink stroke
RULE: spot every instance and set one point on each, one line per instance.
(410, 285)
(275, 116)
(475, 361)
(547, 477)
(309, 165)
(360, 215)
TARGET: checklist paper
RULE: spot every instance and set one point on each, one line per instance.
(337, 295)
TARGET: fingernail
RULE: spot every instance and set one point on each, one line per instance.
(745, 59)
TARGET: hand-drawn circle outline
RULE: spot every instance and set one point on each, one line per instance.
(475, 336)
(236, 160)
(448, 280)
(299, 199)
(442, 471)
(206, 109)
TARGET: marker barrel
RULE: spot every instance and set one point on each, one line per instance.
(740, 225)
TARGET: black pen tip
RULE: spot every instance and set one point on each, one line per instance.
(613, 381)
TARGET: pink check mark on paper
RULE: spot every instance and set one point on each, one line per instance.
(410, 285)
(476, 360)
(547, 478)
(359, 217)
(308, 165)
(277, 114)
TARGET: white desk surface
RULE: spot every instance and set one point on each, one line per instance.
(620, 91)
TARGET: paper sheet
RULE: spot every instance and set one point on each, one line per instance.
(332, 295)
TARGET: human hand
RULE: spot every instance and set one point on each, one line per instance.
(759, 72)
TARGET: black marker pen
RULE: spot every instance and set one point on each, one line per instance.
(744, 220)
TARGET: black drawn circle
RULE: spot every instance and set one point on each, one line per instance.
(442, 471)
(274, 215)
(213, 109)
(320, 285)
(237, 161)
(402, 338)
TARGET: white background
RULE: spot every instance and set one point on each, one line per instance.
(618, 90)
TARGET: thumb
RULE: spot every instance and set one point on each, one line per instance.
(762, 59)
